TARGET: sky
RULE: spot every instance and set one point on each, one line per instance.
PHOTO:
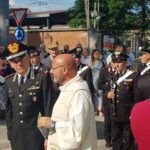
(42, 5)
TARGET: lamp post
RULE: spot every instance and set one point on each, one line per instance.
(95, 15)
(87, 11)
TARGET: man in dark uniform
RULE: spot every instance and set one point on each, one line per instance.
(84, 71)
(143, 82)
(36, 64)
(34, 55)
(30, 93)
(122, 97)
(5, 70)
(104, 83)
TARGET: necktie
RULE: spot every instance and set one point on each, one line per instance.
(21, 80)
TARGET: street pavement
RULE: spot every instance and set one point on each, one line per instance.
(4, 143)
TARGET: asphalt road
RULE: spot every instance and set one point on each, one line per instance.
(4, 143)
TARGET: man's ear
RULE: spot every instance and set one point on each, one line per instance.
(65, 70)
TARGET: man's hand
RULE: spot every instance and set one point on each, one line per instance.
(111, 95)
(45, 144)
(44, 122)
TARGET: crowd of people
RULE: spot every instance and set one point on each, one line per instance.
(49, 94)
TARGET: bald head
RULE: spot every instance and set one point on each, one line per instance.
(66, 60)
(63, 68)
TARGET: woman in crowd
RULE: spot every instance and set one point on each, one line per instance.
(96, 63)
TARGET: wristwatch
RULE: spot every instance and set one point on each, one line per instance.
(53, 124)
(52, 128)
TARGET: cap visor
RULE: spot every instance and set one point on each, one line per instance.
(19, 58)
(53, 48)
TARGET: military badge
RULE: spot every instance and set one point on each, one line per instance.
(13, 48)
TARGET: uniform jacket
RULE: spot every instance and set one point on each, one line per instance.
(87, 76)
(104, 79)
(74, 116)
(23, 107)
(124, 93)
(143, 87)
(106, 74)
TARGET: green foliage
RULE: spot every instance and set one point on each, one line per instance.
(115, 15)
(77, 14)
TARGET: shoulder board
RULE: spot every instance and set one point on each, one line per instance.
(7, 77)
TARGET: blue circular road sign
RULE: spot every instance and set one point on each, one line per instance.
(19, 34)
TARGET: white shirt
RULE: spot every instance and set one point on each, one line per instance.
(74, 116)
(25, 76)
(85, 60)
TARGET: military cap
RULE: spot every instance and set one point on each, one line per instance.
(76, 50)
(33, 51)
(15, 51)
(145, 51)
(118, 57)
(52, 46)
(64, 51)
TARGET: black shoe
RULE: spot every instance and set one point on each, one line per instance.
(108, 145)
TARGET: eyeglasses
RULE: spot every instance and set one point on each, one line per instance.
(54, 68)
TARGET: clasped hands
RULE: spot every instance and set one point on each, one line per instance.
(44, 122)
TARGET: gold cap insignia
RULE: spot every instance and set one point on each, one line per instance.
(13, 48)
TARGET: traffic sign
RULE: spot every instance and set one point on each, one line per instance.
(19, 15)
(19, 34)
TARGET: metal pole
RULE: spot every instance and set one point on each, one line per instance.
(87, 11)
(4, 22)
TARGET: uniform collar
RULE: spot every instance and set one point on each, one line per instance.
(36, 66)
(25, 75)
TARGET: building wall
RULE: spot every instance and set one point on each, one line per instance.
(70, 37)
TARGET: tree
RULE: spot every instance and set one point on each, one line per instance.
(77, 14)
(115, 15)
